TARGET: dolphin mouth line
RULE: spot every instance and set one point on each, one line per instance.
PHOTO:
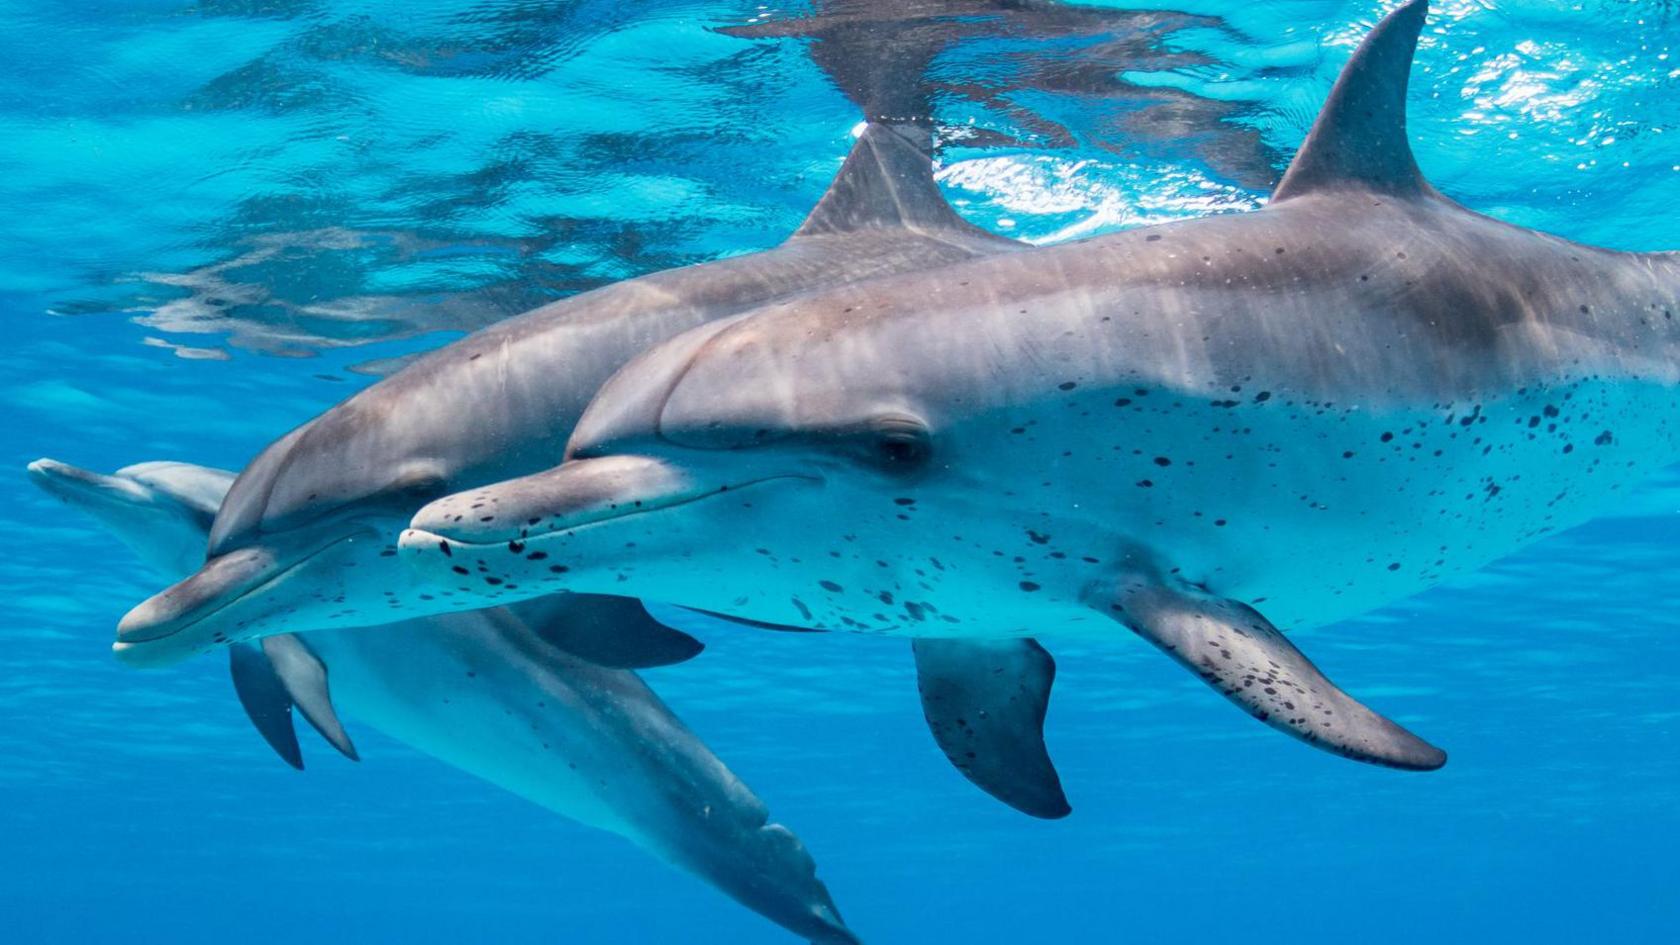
(416, 535)
(130, 643)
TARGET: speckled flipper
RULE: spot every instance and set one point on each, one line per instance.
(615, 632)
(985, 702)
(305, 678)
(1238, 652)
(266, 702)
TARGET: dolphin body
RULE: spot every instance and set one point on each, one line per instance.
(485, 692)
(305, 539)
(1199, 432)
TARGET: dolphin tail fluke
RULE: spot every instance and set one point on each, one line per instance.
(614, 632)
(1238, 652)
(1358, 141)
(266, 702)
(304, 678)
(985, 703)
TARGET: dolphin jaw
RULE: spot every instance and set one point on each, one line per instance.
(65, 481)
(165, 629)
(575, 494)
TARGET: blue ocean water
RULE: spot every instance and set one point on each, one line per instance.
(223, 217)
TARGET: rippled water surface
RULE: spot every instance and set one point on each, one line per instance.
(221, 218)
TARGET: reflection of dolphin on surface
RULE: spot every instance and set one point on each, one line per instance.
(1302, 412)
(306, 537)
(880, 53)
(485, 692)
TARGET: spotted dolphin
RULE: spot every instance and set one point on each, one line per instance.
(1199, 432)
(486, 692)
(306, 537)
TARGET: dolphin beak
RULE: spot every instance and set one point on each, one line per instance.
(174, 624)
(78, 485)
(571, 495)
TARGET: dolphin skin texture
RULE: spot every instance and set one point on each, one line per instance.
(306, 538)
(485, 692)
(1198, 432)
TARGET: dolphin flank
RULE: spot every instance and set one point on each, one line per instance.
(1199, 432)
(486, 692)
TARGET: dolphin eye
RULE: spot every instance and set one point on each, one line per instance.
(899, 444)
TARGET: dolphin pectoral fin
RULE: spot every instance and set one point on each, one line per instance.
(985, 703)
(304, 677)
(266, 702)
(615, 632)
(1238, 652)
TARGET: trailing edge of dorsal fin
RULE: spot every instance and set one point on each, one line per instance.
(1359, 139)
(887, 181)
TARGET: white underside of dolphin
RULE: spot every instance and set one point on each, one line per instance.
(487, 693)
(1198, 433)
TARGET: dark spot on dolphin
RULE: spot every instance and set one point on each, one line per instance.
(1264, 395)
(904, 501)
(443, 546)
(1122, 402)
(536, 556)
(1038, 539)
(1145, 484)
(1066, 385)
(1387, 437)
(516, 546)
(558, 568)
(1029, 586)
(1394, 566)
(830, 586)
(1162, 461)
(460, 570)
(1152, 238)
(1603, 439)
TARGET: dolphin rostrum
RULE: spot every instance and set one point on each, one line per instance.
(306, 537)
(1199, 432)
(486, 692)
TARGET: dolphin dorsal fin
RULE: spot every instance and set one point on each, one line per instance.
(1359, 139)
(887, 181)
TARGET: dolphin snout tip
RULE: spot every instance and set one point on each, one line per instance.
(54, 476)
(144, 622)
(419, 541)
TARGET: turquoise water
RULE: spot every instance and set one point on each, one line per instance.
(224, 217)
